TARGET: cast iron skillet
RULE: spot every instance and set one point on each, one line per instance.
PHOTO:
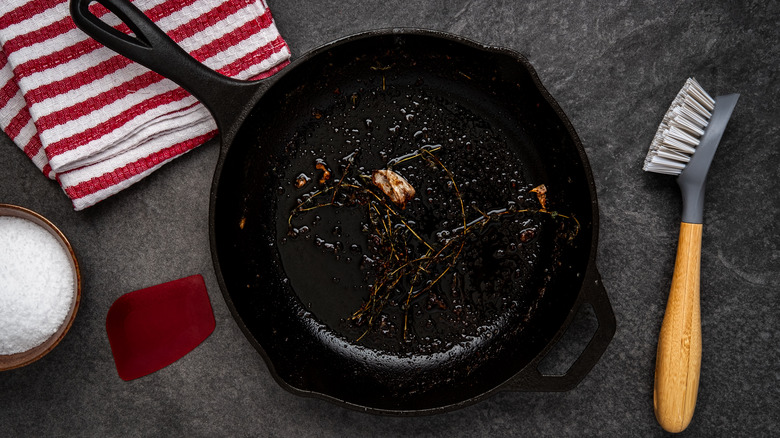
(382, 94)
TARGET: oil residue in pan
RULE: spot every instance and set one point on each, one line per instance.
(409, 279)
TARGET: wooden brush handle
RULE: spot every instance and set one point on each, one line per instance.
(678, 359)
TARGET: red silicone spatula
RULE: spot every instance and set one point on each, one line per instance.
(151, 328)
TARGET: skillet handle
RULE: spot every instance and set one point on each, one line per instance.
(593, 293)
(224, 97)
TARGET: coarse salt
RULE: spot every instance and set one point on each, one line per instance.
(36, 285)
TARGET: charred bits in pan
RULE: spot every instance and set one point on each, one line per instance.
(406, 266)
(427, 202)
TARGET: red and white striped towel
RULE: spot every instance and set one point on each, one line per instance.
(98, 122)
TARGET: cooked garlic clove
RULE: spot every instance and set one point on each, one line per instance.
(394, 186)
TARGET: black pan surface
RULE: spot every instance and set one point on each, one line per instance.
(299, 254)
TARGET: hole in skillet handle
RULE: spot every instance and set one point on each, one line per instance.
(139, 24)
(574, 341)
(592, 303)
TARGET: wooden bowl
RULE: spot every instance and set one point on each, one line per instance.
(16, 360)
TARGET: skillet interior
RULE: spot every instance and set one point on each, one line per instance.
(289, 294)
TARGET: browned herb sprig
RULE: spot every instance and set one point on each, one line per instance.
(407, 265)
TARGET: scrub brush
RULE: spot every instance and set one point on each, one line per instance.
(684, 145)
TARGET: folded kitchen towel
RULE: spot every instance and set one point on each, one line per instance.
(97, 122)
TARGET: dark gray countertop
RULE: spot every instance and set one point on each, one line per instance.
(613, 68)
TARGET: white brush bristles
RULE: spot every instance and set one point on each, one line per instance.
(680, 130)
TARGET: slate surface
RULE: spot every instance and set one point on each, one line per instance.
(613, 67)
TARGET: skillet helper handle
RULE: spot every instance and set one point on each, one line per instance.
(593, 293)
(678, 359)
(151, 47)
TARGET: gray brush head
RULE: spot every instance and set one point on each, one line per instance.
(680, 130)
